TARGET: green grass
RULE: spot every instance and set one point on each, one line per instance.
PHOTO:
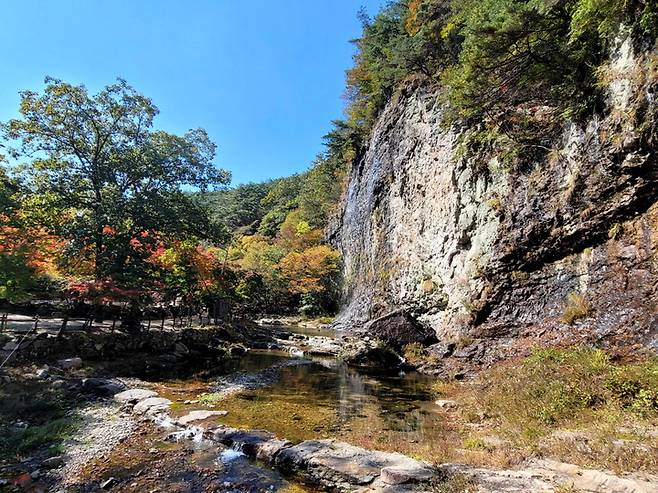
(556, 386)
(210, 399)
(50, 434)
(576, 405)
(43, 408)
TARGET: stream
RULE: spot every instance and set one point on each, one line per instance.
(300, 398)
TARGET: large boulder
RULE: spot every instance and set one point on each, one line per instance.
(399, 328)
(102, 387)
(373, 355)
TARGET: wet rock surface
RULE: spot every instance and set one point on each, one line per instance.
(370, 354)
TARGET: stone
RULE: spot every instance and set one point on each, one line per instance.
(267, 451)
(583, 479)
(10, 346)
(400, 328)
(200, 415)
(43, 373)
(151, 404)
(133, 396)
(69, 363)
(343, 466)
(293, 458)
(181, 349)
(406, 473)
(102, 387)
(445, 403)
(248, 441)
(370, 355)
(54, 462)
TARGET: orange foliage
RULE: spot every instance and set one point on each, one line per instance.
(305, 270)
(411, 23)
(42, 250)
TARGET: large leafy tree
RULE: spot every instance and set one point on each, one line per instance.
(113, 182)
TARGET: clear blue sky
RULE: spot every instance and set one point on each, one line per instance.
(263, 77)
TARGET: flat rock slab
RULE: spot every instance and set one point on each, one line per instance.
(133, 396)
(297, 457)
(406, 472)
(151, 404)
(336, 464)
(193, 416)
(592, 480)
(499, 481)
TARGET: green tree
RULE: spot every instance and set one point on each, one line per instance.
(240, 209)
(98, 159)
(281, 199)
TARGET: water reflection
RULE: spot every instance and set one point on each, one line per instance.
(401, 403)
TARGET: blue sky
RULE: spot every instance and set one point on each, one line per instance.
(263, 77)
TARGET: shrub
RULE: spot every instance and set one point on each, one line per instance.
(559, 386)
(414, 353)
(576, 307)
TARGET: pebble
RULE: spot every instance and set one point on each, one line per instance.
(69, 363)
(108, 483)
(99, 435)
(445, 403)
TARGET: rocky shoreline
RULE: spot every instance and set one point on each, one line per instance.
(338, 466)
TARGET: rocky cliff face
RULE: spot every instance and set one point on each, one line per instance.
(478, 252)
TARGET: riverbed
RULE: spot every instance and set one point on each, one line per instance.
(296, 397)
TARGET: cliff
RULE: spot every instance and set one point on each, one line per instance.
(560, 247)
